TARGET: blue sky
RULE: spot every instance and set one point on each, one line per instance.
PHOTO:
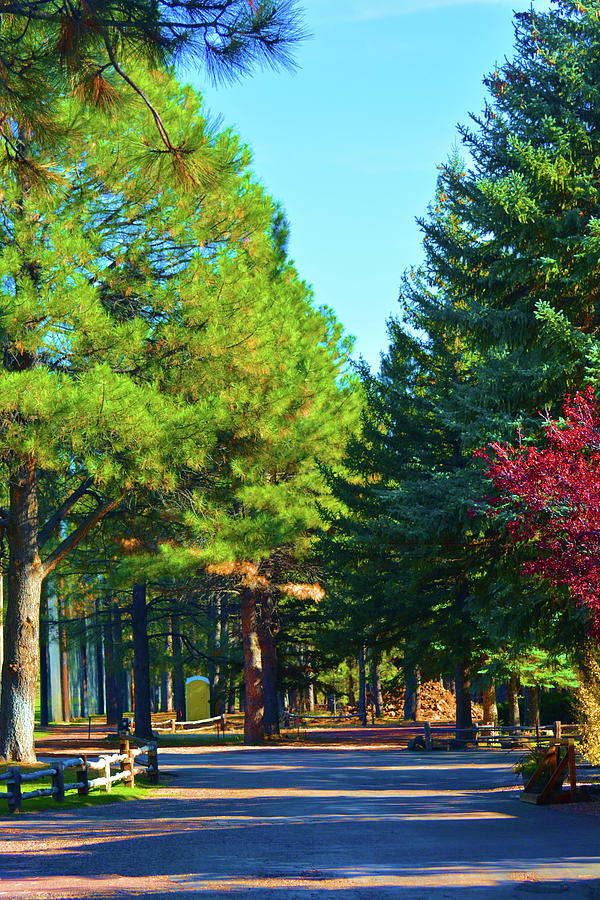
(350, 143)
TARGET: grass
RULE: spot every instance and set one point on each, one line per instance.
(181, 739)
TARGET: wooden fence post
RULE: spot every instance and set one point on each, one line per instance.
(107, 774)
(131, 766)
(427, 729)
(83, 777)
(58, 781)
(173, 726)
(556, 728)
(153, 763)
(572, 769)
(14, 793)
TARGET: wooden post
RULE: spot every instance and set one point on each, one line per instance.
(14, 793)
(131, 766)
(107, 775)
(427, 729)
(124, 750)
(572, 769)
(58, 781)
(123, 742)
(173, 725)
(153, 764)
(83, 777)
(556, 728)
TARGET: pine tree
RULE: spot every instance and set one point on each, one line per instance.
(102, 291)
(94, 51)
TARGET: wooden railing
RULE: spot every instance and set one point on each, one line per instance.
(173, 725)
(490, 735)
(126, 759)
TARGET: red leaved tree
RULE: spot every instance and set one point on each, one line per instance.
(553, 498)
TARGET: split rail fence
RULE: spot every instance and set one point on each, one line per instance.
(499, 736)
(127, 760)
(173, 725)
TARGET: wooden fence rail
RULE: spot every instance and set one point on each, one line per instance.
(83, 784)
(172, 725)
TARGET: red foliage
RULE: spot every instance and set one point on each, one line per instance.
(553, 498)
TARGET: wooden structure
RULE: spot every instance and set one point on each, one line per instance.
(172, 725)
(127, 760)
(545, 785)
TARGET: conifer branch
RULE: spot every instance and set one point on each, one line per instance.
(58, 515)
(76, 536)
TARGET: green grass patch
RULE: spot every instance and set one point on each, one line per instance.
(181, 739)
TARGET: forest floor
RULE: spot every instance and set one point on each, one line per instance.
(310, 823)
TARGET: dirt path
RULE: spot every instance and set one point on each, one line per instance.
(293, 823)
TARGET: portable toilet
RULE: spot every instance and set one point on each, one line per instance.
(197, 698)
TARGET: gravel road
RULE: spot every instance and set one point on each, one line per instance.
(311, 824)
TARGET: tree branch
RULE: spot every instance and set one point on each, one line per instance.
(71, 541)
(59, 514)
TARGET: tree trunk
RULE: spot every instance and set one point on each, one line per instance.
(1, 619)
(254, 699)
(376, 687)
(231, 693)
(490, 709)
(44, 662)
(99, 659)
(464, 720)
(64, 666)
(214, 651)
(22, 647)
(514, 716)
(120, 679)
(141, 661)
(83, 683)
(178, 675)
(362, 687)
(533, 705)
(268, 654)
(166, 687)
(351, 695)
(412, 692)
(114, 711)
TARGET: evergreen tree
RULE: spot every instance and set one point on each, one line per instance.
(94, 50)
(102, 293)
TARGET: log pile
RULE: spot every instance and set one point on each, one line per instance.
(437, 704)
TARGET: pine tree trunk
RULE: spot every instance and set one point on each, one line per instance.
(44, 661)
(231, 693)
(83, 683)
(376, 686)
(464, 721)
(412, 692)
(490, 709)
(533, 705)
(362, 687)
(141, 662)
(166, 688)
(113, 714)
(268, 654)
(178, 675)
(1, 620)
(351, 695)
(514, 716)
(99, 659)
(214, 650)
(254, 699)
(64, 666)
(120, 679)
(21, 651)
